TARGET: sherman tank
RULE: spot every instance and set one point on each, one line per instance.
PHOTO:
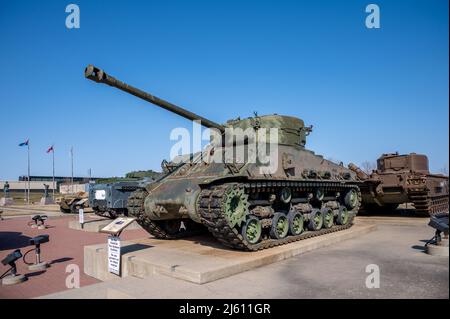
(401, 179)
(247, 203)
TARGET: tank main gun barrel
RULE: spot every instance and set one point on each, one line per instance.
(359, 172)
(98, 75)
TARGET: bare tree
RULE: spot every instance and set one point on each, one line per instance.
(368, 167)
(444, 170)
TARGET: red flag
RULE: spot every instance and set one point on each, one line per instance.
(50, 149)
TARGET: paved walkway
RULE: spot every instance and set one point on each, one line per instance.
(337, 271)
(65, 247)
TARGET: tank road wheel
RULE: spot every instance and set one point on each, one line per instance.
(74, 208)
(286, 195)
(351, 199)
(315, 220)
(252, 230)
(296, 222)
(64, 210)
(171, 226)
(343, 216)
(113, 214)
(236, 206)
(328, 217)
(280, 226)
(319, 195)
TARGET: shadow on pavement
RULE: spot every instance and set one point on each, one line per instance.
(134, 247)
(13, 240)
(418, 247)
(36, 273)
(60, 260)
(400, 212)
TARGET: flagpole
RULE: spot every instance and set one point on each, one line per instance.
(71, 155)
(28, 193)
(53, 169)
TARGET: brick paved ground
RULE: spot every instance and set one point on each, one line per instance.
(65, 247)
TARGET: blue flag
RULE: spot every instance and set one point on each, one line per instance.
(24, 143)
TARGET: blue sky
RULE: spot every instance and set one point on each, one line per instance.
(365, 91)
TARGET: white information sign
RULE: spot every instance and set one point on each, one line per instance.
(81, 215)
(100, 194)
(117, 225)
(114, 255)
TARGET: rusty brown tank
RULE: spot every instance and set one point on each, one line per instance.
(401, 179)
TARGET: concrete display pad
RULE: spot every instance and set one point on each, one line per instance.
(95, 223)
(13, 280)
(46, 201)
(438, 250)
(200, 259)
(6, 201)
(22, 210)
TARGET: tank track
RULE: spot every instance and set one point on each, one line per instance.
(430, 205)
(136, 209)
(210, 205)
(108, 214)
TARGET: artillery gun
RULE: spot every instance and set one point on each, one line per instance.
(246, 203)
(71, 203)
(401, 179)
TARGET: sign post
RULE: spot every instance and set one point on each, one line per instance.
(114, 254)
(114, 229)
(81, 217)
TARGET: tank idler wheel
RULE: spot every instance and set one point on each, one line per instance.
(296, 223)
(252, 230)
(391, 206)
(319, 194)
(351, 199)
(172, 226)
(342, 216)
(74, 209)
(315, 220)
(280, 226)
(64, 210)
(286, 195)
(328, 217)
(113, 214)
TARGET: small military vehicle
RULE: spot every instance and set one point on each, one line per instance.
(110, 199)
(401, 179)
(71, 203)
(246, 204)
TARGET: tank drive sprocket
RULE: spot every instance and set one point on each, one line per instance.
(235, 206)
